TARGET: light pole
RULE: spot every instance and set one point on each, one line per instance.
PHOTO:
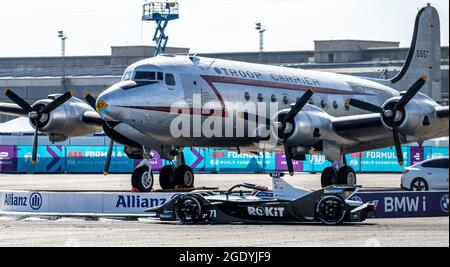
(63, 37)
(261, 29)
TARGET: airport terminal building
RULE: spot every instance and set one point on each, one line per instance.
(37, 77)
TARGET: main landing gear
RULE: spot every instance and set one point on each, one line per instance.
(170, 177)
(340, 174)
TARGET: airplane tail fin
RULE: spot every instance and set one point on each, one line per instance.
(424, 57)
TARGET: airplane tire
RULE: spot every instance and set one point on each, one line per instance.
(184, 177)
(347, 176)
(328, 177)
(166, 178)
(142, 180)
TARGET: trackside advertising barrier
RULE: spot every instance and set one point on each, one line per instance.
(406, 204)
(389, 204)
(81, 203)
(90, 159)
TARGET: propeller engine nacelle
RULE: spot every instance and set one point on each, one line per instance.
(64, 122)
(307, 128)
(413, 118)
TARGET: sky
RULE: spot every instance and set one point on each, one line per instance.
(29, 27)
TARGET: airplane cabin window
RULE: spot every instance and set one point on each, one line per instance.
(247, 96)
(145, 75)
(273, 98)
(323, 103)
(286, 100)
(170, 79)
(347, 107)
(260, 98)
(335, 105)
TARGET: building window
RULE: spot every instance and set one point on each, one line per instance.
(247, 96)
(330, 58)
(273, 98)
(260, 97)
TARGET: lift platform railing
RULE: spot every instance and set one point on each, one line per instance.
(155, 11)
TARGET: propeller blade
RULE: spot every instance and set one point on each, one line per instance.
(364, 106)
(301, 103)
(18, 100)
(35, 146)
(398, 146)
(90, 99)
(108, 158)
(411, 93)
(58, 102)
(289, 162)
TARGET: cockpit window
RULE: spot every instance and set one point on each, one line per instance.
(170, 79)
(160, 76)
(145, 75)
(127, 76)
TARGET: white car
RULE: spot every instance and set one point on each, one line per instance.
(429, 175)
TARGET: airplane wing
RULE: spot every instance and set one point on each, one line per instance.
(368, 132)
(442, 112)
(12, 110)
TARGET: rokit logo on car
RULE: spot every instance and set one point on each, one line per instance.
(266, 211)
(34, 201)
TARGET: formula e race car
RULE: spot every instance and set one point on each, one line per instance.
(283, 204)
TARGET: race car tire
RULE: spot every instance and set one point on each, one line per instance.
(142, 180)
(346, 176)
(331, 210)
(328, 177)
(184, 177)
(166, 180)
(189, 210)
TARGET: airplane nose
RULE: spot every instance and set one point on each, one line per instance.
(106, 101)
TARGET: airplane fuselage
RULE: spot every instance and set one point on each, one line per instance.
(208, 89)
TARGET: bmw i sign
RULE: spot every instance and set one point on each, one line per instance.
(444, 203)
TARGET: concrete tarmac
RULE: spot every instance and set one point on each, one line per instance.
(109, 232)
